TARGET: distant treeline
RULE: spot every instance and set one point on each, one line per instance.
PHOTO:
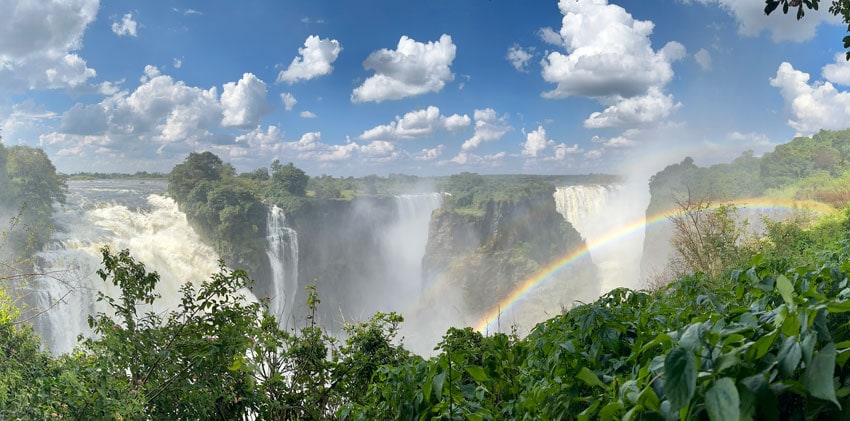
(807, 168)
(140, 175)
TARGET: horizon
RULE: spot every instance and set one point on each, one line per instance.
(570, 87)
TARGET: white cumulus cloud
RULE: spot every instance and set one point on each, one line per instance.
(536, 142)
(488, 127)
(289, 100)
(127, 26)
(307, 114)
(609, 57)
(519, 57)
(634, 111)
(608, 53)
(562, 151)
(814, 106)
(37, 43)
(838, 72)
(418, 123)
(314, 60)
(429, 154)
(160, 111)
(244, 102)
(413, 68)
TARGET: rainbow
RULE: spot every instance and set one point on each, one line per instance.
(545, 274)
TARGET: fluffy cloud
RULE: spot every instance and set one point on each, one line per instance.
(260, 139)
(608, 53)
(127, 26)
(594, 154)
(487, 161)
(307, 114)
(413, 68)
(244, 102)
(488, 127)
(838, 72)
(609, 57)
(752, 20)
(536, 142)
(562, 151)
(703, 58)
(813, 106)
(419, 123)
(429, 154)
(623, 141)
(37, 40)
(519, 57)
(159, 111)
(314, 60)
(289, 100)
(634, 111)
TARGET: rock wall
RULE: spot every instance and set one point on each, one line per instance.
(488, 254)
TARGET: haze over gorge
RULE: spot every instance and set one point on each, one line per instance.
(404, 252)
(482, 210)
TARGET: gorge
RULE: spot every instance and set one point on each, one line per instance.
(404, 253)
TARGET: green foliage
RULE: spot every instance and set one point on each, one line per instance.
(838, 7)
(198, 167)
(226, 211)
(29, 186)
(286, 180)
(807, 168)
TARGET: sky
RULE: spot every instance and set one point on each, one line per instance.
(427, 87)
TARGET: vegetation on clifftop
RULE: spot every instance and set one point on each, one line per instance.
(29, 187)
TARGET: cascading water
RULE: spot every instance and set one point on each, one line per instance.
(405, 240)
(283, 258)
(602, 213)
(580, 205)
(123, 214)
(404, 245)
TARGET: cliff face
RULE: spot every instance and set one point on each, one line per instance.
(487, 255)
(340, 251)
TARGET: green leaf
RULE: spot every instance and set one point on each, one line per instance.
(764, 343)
(722, 401)
(439, 379)
(611, 411)
(590, 378)
(785, 289)
(691, 338)
(789, 356)
(426, 390)
(838, 306)
(477, 373)
(817, 380)
(680, 377)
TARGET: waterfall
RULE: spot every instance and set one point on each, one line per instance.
(605, 216)
(579, 205)
(283, 257)
(405, 240)
(130, 215)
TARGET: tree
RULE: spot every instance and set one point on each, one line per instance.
(705, 238)
(838, 7)
(288, 178)
(203, 166)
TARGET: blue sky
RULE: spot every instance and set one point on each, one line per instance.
(428, 88)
